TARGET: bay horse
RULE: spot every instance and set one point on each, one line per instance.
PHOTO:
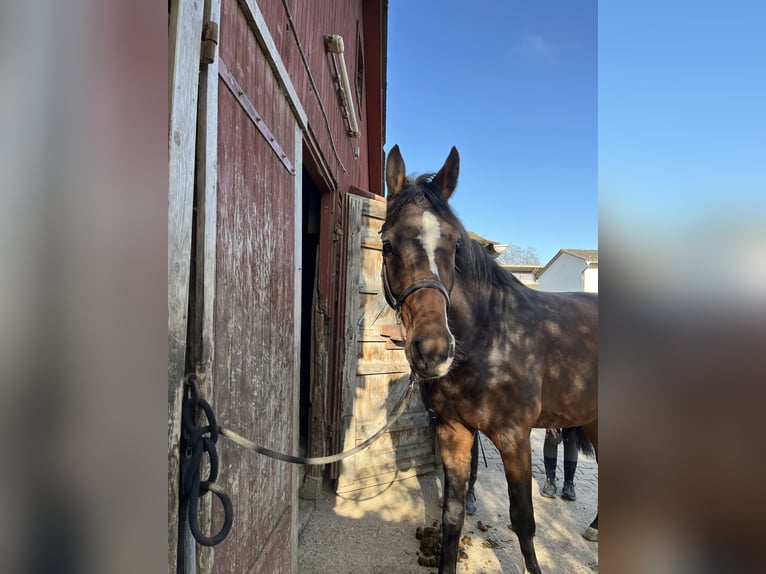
(493, 355)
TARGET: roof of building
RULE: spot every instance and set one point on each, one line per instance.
(589, 256)
(521, 267)
(493, 247)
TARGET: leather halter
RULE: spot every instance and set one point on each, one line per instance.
(397, 302)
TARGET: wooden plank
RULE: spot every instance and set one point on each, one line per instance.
(368, 288)
(375, 209)
(184, 33)
(371, 335)
(372, 242)
(297, 321)
(406, 421)
(319, 374)
(353, 270)
(207, 184)
(381, 367)
(203, 343)
(392, 331)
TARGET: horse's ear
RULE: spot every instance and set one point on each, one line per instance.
(395, 172)
(446, 179)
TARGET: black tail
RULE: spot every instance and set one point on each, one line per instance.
(583, 442)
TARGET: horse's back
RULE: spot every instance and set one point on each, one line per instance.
(569, 390)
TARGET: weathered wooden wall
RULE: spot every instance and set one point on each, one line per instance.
(375, 369)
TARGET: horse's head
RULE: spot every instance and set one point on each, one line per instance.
(420, 238)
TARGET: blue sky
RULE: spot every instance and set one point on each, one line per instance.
(644, 121)
(513, 85)
(682, 112)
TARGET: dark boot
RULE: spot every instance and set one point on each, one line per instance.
(549, 489)
(568, 490)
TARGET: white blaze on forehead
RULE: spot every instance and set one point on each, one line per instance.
(430, 232)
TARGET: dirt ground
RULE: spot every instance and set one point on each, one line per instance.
(373, 531)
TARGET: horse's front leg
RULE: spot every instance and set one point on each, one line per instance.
(455, 448)
(516, 453)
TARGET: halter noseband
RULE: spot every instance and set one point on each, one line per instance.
(397, 302)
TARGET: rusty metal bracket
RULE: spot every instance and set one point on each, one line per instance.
(209, 42)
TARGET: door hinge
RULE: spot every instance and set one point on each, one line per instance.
(209, 42)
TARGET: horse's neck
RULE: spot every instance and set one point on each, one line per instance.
(475, 305)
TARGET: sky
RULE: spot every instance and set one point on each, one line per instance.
(640, 123)
(682, 110)
(512, 85)
(682, 149)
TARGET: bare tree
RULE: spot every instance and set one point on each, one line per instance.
(516, 255)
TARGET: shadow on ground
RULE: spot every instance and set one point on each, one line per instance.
(372, 531)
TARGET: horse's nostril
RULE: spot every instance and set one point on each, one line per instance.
(431, 351)
(417, 350)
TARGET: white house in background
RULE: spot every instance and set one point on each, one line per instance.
(570, 270)
(527, 274)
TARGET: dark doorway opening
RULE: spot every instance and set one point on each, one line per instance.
(310, 250)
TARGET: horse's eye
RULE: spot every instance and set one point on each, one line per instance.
(387, 249)
(457, 245)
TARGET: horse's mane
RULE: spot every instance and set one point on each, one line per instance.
(473, 262)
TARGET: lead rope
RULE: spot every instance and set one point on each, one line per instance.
(194, 444)
(481, 445)
(396, 412)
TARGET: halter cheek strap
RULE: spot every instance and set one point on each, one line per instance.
(397, 302)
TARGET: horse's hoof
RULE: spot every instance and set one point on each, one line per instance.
(591, 534)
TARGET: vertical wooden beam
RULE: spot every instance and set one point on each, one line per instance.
(184, 34)
(207, 185)
(375, 29)
(297, 265)
(350, 334)
(317, 442)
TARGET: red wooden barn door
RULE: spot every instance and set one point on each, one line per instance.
(256, 309)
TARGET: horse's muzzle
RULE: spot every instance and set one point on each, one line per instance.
(430, 357)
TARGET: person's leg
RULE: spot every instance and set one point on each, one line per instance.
(570, 463)
(550, 452)
(470, 497)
